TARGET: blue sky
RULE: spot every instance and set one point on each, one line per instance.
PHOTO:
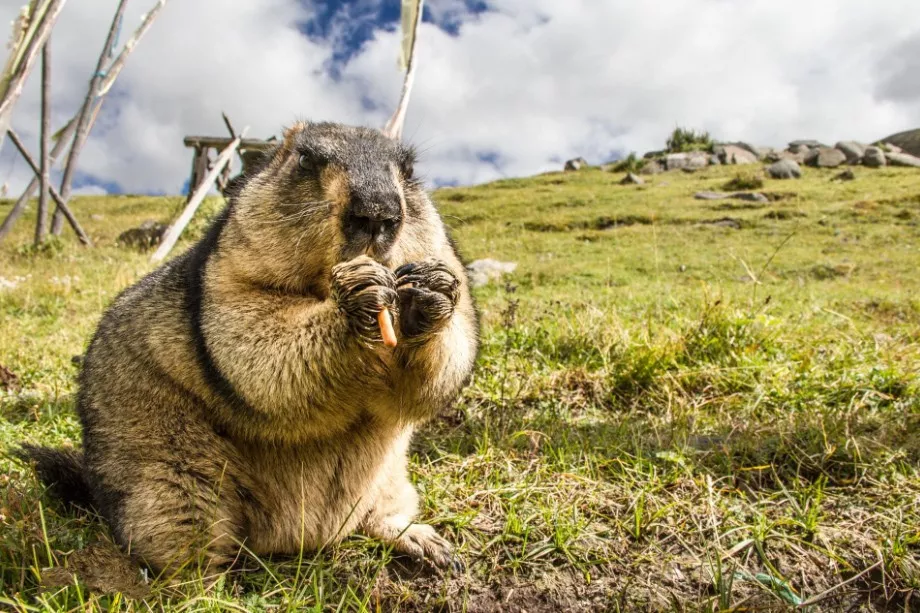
(504, 88)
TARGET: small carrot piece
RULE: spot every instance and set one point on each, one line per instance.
(386, 327)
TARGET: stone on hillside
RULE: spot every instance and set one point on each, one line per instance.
(482, 272)
(758, 151)
(902, 159)
(799, 149)
(874, 157)
(652, 167)
(710, 196)
(846, 175)
(714, 160)
(746, 196)
(147, 235)
(575, 164)
(853, 150)
(689, 159)
(631, 179)
(908, 141)
(785, 169)
(732, 154)
(811, 144)
(891, 148)
(826, 157)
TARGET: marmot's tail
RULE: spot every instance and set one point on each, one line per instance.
(61, 470)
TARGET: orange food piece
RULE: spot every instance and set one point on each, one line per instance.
(386, 327)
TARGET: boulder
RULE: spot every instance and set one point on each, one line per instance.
(689, 159)
(800, 149)
(714, 160)
(811, 144)
(902, 159)
(631, 179)
(147, 235)
(482, 272)
(826, 157)
(853, 150)
(785, 169)
(652, 167)
(575, 164)
(732, 154)
(891, 148)
(908, 141)
(874, 157)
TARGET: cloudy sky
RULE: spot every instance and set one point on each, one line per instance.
(504, 87)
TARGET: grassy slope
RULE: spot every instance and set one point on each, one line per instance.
(664, 411)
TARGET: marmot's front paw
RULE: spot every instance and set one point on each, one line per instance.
(362, 287)
(428, 293)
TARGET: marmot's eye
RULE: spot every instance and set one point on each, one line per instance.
(307, 163)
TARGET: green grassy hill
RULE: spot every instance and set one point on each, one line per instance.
(680, 405)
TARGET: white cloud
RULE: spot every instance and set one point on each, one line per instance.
(522, 87)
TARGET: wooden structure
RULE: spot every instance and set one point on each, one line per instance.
(249, 149)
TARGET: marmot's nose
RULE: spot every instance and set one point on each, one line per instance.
(373, 218)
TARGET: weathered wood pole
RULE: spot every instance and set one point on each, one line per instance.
(83, 118)
(41, 224)
(175, 229)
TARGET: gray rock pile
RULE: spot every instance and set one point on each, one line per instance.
(902, 149)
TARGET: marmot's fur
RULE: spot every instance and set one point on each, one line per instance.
(241, 393)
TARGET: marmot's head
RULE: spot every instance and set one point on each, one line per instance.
(329, 193)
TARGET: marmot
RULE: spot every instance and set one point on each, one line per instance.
(241, 394)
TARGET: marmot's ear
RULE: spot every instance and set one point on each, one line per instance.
(290, 134)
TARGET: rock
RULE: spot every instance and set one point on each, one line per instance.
(785, 169)
(575, 164)
(746, 196)
(846, 175)
(652, 167)
(732, 154)
(725, 222)
(631, 179)
(811, 144)
(710, 196)
(800, 149)
(826, 157)
(482, 272)
(145, 236)
(690, 159)
(750, 197)
(891, 148)
(908, 141)
(902, 159)
(714, 160)
(853, 150)
(874, 157)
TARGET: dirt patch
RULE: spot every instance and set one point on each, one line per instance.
(9, 380)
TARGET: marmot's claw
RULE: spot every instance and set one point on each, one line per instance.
(362, 287)
(428, 293)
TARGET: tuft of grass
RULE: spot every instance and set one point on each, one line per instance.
(667, 414)
(683, 139)
(743, 181)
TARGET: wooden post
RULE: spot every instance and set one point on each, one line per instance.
(84, 238)
(200, 163)
(83, 118)
(59, 146)
(172, 233)
(394, 126)
(41, 19)
(41, 225)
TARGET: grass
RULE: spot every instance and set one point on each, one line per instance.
(669, 413)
